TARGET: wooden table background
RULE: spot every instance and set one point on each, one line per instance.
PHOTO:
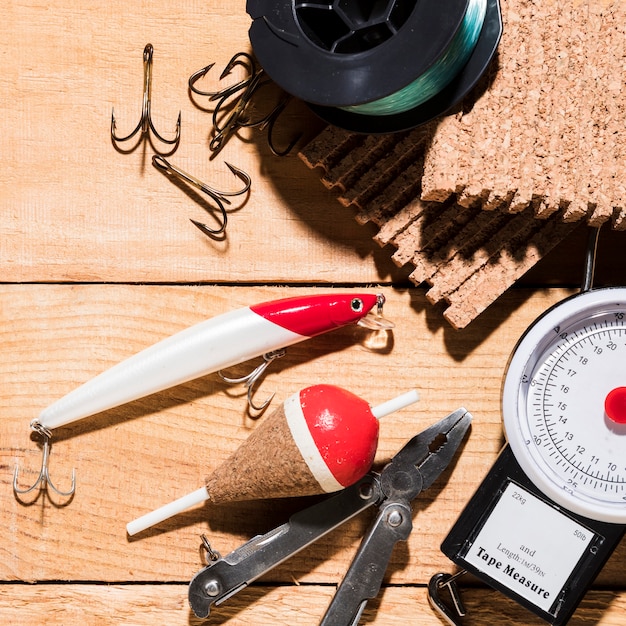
(99, 260)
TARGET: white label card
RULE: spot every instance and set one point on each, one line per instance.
(529, 546)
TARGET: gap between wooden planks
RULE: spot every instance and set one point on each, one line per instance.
(304, 605)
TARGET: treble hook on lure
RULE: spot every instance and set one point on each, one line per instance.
(207, 347)
(250, 380)
(43, 480)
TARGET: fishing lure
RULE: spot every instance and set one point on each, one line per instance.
(210, 346)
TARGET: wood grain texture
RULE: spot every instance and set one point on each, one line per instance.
(145, 605)
(76, 208)
(98, 261)
(132, 459)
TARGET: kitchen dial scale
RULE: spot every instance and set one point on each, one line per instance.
(553, 507)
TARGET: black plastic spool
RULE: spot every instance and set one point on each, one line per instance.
(342, 53)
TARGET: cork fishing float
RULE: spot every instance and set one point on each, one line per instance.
(322, 439)
(264, 329)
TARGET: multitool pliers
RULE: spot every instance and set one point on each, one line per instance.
(412, 470)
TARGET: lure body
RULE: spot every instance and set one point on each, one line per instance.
(207, 347)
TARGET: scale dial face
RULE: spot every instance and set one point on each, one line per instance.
(564, 404)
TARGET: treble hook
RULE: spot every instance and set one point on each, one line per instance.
(269, 121)
(43, 480)
(145, 122)
(219, 197)
(233, 119)
(226, 92)
(249, 380)
(237, 117)
(437, 582)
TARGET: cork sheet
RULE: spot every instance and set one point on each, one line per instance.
(469, 256)
(547, 129)
(473, 200)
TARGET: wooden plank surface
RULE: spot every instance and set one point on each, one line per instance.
(79, 209)
(145, 605)
(98, 260)
(132, 459)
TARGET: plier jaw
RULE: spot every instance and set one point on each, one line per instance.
(414, 468)
(423, 458)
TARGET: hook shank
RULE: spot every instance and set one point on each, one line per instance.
(145, 122)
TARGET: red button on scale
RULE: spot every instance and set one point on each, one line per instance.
(615, 405)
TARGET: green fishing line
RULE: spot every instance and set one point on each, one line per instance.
(440, 74)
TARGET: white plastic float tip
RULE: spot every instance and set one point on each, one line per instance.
(395, 404)
(168, 510)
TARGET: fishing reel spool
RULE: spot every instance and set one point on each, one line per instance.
(346, 55)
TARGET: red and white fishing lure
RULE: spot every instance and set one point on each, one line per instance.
(210, 346)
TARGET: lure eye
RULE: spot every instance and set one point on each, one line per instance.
(356, 305)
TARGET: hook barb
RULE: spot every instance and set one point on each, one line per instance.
(43, 480)
(196, 76)
(250, 380)
(207, 230)
(225, 92)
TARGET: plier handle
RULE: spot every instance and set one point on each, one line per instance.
(414, 468)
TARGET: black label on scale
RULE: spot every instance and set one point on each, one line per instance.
(532, 550)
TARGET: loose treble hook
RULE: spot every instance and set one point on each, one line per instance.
(219, 197)
(145, 122)
(249, 380)
(43, 480)
(230, 115)
(247, 62)
(268, 122)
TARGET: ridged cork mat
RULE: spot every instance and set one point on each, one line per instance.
(475, 199)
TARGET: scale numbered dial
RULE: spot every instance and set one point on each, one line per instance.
(564, 404)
